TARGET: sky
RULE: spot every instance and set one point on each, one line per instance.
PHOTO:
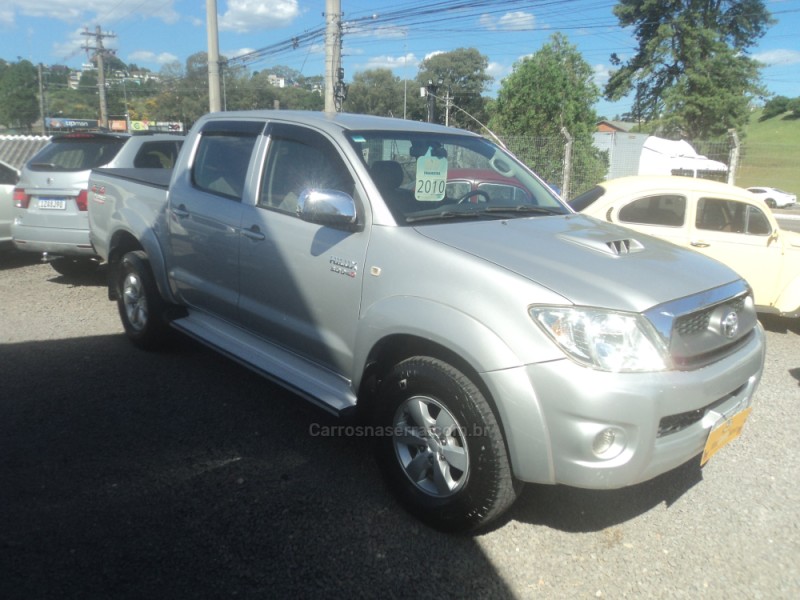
(377, 34)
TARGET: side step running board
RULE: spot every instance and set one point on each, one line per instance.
(320, 386)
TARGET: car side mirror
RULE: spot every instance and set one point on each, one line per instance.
(331, 208)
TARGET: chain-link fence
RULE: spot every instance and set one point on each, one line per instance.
(573, 167)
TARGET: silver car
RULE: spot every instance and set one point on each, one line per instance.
(50, 214)
(8, 179)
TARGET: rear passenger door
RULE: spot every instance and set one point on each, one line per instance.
(204, 217)
(300, 281)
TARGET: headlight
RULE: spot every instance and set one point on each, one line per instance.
(602, 339)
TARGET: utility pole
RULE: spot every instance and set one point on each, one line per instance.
(430, 91)
(41, 100)
(333, 52)
(100, 52)
(214, 102)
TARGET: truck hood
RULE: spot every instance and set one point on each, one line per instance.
(587, 261)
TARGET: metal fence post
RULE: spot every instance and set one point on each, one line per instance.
(733, 161)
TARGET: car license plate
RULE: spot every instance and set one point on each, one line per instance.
(52, 203)
(723, 433)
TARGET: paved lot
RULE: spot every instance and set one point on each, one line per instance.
(179, 474)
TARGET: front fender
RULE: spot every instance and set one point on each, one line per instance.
(788, 302)
(501, 370)
(444, 325)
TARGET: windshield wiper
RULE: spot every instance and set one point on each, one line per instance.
(443, 215)
(524, 208)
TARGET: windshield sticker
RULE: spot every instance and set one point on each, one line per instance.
(431, 180)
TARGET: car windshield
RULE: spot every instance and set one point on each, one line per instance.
(432, 177)
(77, 152)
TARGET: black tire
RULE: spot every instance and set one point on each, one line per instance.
(771, 203)
(141, 307)
(441, 449)
(69, 266)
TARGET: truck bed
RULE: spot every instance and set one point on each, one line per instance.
(153, 177)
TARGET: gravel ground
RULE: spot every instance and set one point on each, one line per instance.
(179, 474)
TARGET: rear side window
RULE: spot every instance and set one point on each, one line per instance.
(220, 165)
(76, 153)
(157, 155)
(717, 214)
(664, 209)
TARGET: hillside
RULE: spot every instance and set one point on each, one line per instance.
(771, 154)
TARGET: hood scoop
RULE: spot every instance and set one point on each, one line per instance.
(616, 247)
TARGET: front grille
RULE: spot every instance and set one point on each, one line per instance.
(698, 322)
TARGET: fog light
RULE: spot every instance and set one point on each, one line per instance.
(608, 443)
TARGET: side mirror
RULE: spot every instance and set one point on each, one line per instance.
(331, 208)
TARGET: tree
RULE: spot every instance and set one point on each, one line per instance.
(548, 92)
(461, 76)
(691, 67)
(375, 92)
(19, 105)
(775, 106)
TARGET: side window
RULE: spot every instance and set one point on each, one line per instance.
(716, 214)
(300, 159)
(220, 165)
(8, 176)
(157, 155)
(757, 222)
(666, 209)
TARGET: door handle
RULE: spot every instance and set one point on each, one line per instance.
(254, 233)
(699, 244)
(180, 211)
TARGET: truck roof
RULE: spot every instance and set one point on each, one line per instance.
(338, 121)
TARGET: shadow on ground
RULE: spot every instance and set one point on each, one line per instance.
(180, 474)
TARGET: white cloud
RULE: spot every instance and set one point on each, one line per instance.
(434, 53)
(71, 11)
(601, 75)
(145, 56)
(391, 62)
(513, 21)
(778, 57)
(253, 15)
(497, 70)
(239, 52)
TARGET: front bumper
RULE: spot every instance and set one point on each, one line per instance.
(553, 412)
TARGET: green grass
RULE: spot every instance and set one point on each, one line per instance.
(771, 153)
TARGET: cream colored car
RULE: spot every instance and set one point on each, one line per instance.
(722, 221)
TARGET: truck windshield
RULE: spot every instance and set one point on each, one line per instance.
(431, 177)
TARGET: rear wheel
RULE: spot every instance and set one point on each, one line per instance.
(141, 307)
(771, 203)
(442, 452)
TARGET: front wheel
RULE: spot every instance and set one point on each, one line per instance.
(442, 451)
(141, 307)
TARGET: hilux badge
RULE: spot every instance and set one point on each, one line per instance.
(729, 325)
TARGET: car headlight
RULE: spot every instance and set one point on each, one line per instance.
(603, 339)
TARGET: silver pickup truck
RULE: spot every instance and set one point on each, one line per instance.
(425, 280)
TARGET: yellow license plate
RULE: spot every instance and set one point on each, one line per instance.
(725, 432)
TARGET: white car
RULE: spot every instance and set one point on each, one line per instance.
(8, 179)
(773, 197)
(719, 220)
